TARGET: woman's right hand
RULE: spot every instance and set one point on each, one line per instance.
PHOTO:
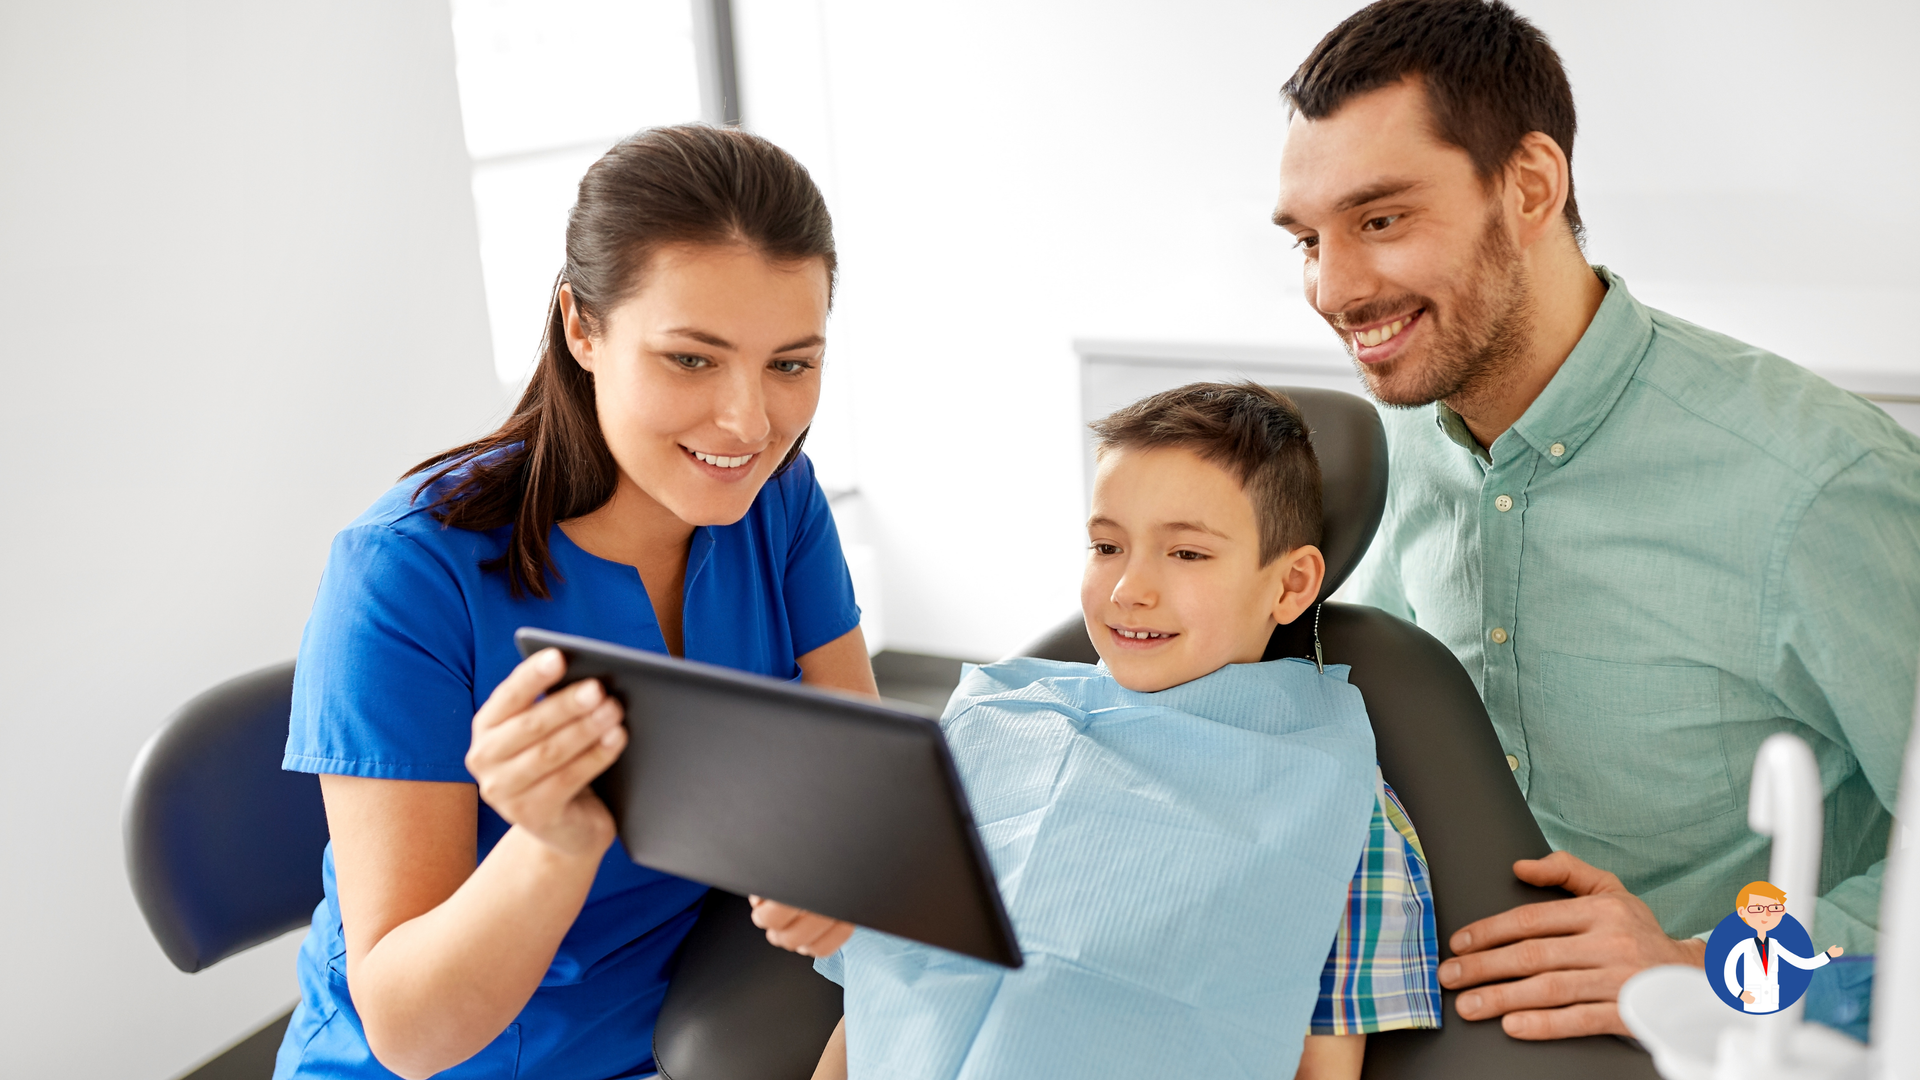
(533, 757)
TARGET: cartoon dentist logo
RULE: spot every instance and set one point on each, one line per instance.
(1754, 958)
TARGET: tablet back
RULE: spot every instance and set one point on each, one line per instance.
(835, 804)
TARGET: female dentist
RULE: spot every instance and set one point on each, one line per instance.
(649, 490)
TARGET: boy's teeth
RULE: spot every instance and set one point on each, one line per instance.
(1138, 635)
(1373, 337)
(723, 462)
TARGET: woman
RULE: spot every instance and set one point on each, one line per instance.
(649, 490)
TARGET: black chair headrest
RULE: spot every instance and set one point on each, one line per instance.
(1351, 444)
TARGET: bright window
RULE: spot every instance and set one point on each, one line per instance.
(545, 87)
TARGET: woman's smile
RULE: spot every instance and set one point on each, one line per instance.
(726, 467)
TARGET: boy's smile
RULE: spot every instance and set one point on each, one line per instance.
(1174, 587)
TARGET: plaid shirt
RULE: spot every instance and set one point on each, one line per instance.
(1384, 972)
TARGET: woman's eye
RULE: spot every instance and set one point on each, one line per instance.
(791, 367)
(1376, 224)
(690, 362)
(1106, 549)
(1189, 556)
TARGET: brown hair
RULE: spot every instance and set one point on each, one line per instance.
(549, 461)
(1252, 432)
(1491, 76)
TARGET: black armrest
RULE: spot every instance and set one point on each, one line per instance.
(738, 1008)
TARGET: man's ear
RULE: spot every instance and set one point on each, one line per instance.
(579, 342)
(1300, 573)
(1538, 180)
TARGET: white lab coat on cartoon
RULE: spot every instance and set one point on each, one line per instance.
(1765, 984)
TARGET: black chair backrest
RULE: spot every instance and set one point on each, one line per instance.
(223, 848)
(1352, 448)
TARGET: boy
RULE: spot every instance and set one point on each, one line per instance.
(1174, 831)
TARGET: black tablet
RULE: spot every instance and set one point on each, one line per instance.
(831, 803)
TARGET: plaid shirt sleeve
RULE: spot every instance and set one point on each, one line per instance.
(1384, 971)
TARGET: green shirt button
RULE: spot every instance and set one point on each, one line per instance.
(1499, 635)
(1513, 763)
(1503, 504)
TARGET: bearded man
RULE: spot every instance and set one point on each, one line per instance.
(1651, 545)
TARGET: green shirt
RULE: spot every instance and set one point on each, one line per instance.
(1685, 545)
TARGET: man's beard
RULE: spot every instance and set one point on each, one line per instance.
(1480, 338)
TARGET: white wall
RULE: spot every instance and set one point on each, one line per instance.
(239, 292)
(1008, 175)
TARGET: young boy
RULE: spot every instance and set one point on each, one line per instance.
(1174, 831)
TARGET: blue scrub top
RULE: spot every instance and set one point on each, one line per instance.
(408, 637)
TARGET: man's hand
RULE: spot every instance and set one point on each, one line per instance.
(1570, 957)
(796, 930)
(1835, 952)
(1747, 996)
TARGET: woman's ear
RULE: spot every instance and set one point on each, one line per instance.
(1300, 573)
(579, 342)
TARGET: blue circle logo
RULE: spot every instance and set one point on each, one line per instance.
(1734, 966)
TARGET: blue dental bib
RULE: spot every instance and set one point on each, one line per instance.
(1175, 865)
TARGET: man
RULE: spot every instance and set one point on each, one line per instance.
(1651, 545)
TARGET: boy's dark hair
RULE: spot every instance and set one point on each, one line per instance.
(1245, 428)
(1491, 76)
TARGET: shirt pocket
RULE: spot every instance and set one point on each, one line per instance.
(1622, 749)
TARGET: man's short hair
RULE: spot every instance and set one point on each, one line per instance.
(1246, 429)
(1758, 888)
(1491, 76)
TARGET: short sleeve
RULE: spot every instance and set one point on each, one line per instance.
(818, 588)
(383, 686)
(1383, 973)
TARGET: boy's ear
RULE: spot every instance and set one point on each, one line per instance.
(1300, 573)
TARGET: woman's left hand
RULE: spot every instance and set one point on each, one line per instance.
(798, 930)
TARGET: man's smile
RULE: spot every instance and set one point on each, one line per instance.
(1381, 340)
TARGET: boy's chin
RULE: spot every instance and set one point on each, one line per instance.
(1151, 678)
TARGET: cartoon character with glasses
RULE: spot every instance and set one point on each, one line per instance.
(1763, 907)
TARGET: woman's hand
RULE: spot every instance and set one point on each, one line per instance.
(798, 930)
(533, 757)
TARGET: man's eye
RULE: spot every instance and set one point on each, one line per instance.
(1306, 243)
(1376, 224)
(791, 367)
(689, 361)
